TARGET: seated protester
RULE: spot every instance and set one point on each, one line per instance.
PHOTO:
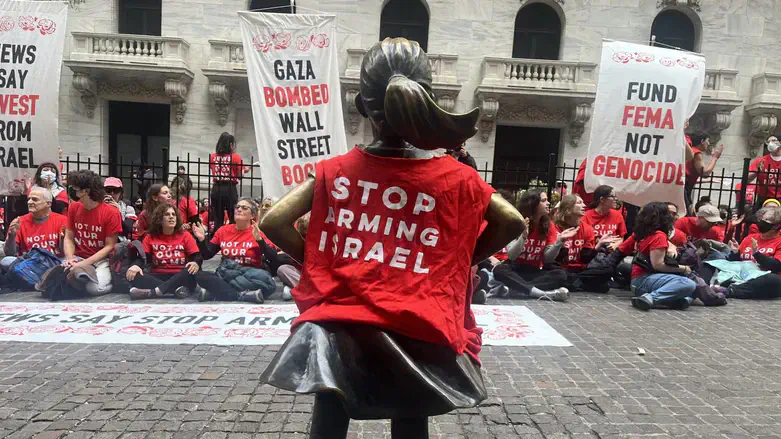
(653, 281)
(676, 239)
(763, 248)
(580, 249)
(539, 244)
(158, 194)
(93, 231)
(579, 188)
(114, 192)
(40, 228)
(47, 177)
(188, 208)
(604, 218)
(703, 226)
(240, 275)
(290, 272)
(172, 259)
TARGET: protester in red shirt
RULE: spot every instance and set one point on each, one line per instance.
(188, 208)
(226, 168)
(703, 226)
(764, 248)
(654, 282)
(604, 218)
(242, 248)
(579, 188)
(40, 228)
(374, 291)
(580, 249)
(766, 171)
(751, 191)
(540, 244)
(92, 232)
(158, 194)
(47, 177)
(172, 259)
(695, 166)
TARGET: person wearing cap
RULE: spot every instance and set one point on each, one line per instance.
(114, 192)
(702, 226)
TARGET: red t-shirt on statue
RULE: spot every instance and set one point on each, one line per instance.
(170, 253)
(390, 244)
(92, 227)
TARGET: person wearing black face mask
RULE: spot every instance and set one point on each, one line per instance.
(764, 248)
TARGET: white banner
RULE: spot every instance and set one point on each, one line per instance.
(219, 324)
(294, 86)
(644, 96)
(32, 35)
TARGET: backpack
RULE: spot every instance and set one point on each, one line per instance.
(27, 269)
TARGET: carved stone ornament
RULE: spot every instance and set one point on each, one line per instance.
(711, 123)
(131, 88)
(580, 116)
(222, 98)
(353, 116)
(176, 89)
(446, 102)
(693, 4)
(533, 113)
(762, 126)
(489, 109)
(88, 89)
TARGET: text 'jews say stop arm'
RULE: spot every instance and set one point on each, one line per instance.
(505, 223)
(279, 222)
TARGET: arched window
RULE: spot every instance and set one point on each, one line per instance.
(278, 6)
(140, 17)
(405, 18)
(674, 28)
(537, 32)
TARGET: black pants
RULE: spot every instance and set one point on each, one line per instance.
(763, 287)
(330, 421)
(522, 279)
(218, 288)
(631, 214)
(166, 282)
(224, 197)
(592, 279)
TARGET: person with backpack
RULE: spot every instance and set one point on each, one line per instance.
(40, 228)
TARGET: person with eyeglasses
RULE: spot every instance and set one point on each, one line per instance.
(604, 218)
(241, 275)
(114, 191)
(703, 226)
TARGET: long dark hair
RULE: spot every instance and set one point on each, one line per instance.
(600, 193)
(151, 204)
(395, 92)
(528, 206)
(225, 143)
(156, 222)
(653, 217)
(37, 177)
(181, 186)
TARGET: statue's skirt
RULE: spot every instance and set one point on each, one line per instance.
(377, 374)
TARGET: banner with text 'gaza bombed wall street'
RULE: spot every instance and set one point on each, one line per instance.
(32, 35)
(294, 87)
(644, 96)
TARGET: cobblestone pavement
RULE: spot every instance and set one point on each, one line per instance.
(706, 372)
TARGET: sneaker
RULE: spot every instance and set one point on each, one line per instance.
(287, 295)
(499, 291)
(479, 297)
(680, 304)
(557, 295)
(138, 293)
(254, 296)
(204, 296)
(642, 303)
(182, 292)
(485, 277)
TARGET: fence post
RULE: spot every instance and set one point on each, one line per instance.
(166, 161)
(744, 186)
(551, 174)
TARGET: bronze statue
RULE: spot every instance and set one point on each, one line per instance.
(385, 330)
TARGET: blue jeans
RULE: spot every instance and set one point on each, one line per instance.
(663, 287)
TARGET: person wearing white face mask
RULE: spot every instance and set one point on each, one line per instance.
(766, 170)
(47, 177)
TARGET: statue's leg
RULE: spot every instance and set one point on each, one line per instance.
(409, 428)
(329, 419)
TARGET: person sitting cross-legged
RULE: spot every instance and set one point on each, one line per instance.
(172, 259)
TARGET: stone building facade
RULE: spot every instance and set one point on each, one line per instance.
(144, 75)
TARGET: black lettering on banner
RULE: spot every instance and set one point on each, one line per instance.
(237, 321)
(146, 319)
(165, 319)
(76, 318)
(185, 319)
(282, 320)
(261, 321)
(94, 320)
(205, 319)
(115, 319)
(43, 318)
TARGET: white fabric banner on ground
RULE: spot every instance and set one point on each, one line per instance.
(644, 96)
(293, 75)
(32, 35)
(219, 324)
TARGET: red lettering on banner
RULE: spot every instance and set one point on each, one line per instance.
(632, 169)
(298, 96)
(18, 105)
(644, 117)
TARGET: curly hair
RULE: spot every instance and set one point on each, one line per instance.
(528, 206)
(653, 217)
(87, 180)
(151, 204)
(566, 205)
(773, 213)
(156, 222)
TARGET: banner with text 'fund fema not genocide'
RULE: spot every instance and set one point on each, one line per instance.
(294, 87)
(644, 96)
(32, 35)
